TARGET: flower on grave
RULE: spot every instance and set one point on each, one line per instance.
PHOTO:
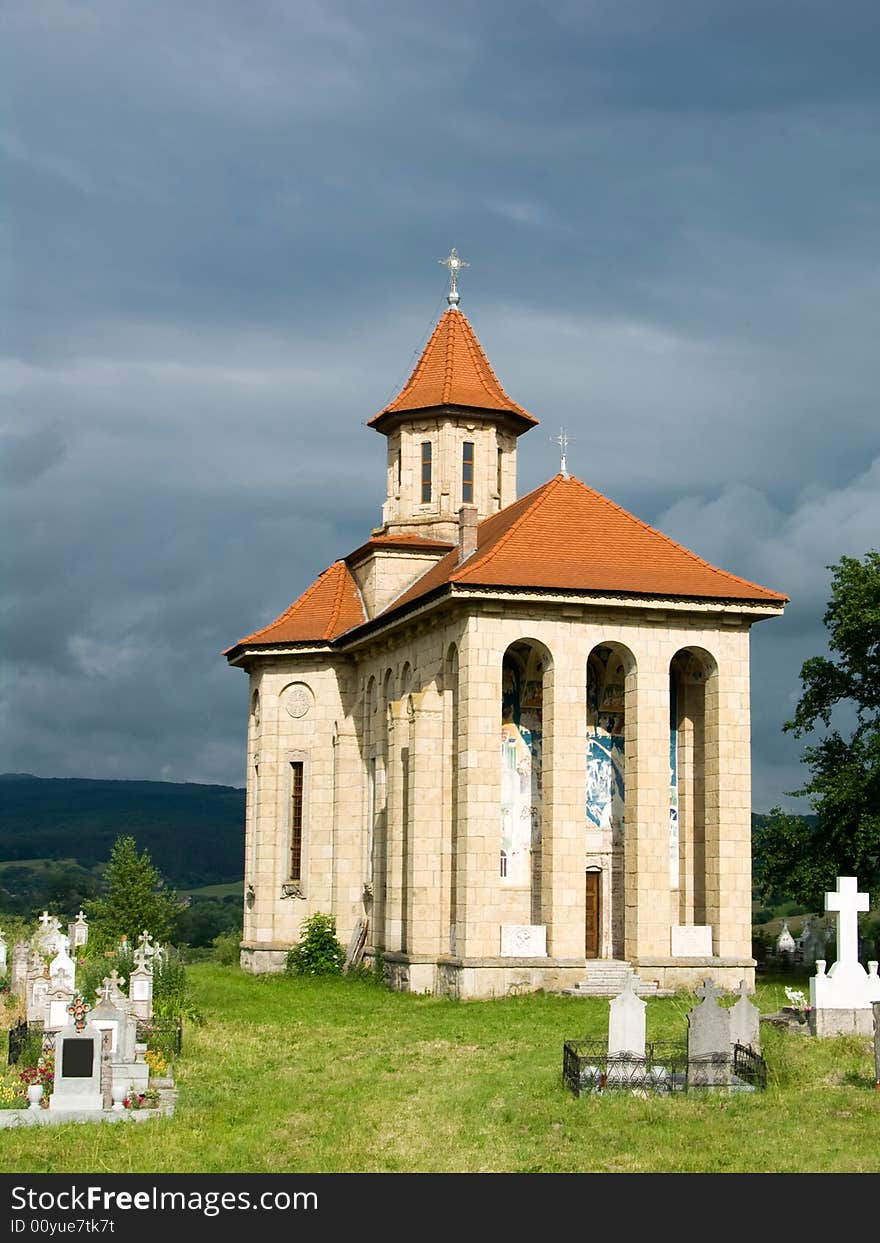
(156, 1062)
(78, 1009)
(798, 999)
(43, 1073)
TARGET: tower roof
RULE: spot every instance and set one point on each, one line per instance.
(453, 371)
(565, 536)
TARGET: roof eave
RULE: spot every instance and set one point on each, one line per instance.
(386, 421)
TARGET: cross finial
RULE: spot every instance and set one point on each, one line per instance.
(44, 919)
(563, 440)
(454, 264)
(709, 992)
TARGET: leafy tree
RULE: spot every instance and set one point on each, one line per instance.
(135, 898)
(791, 855)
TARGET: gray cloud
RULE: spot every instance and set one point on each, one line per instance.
(219, 256)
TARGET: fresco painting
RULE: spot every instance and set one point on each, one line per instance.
(673, 783)
(605, 743)
(522, 701)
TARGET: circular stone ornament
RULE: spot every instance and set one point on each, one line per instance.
(297, 699)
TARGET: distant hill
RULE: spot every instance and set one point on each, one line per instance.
(194, 833)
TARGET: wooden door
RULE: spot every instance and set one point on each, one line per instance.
(591, 924)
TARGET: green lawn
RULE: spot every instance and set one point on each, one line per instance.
(291, 1075)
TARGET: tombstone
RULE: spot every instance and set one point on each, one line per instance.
(140, 987)
(114, 982)
(841, 1000)
(626, 1036)
(18, 974)
(127, 1069)
(62, 969)
(78, 932)
(57, 1005)
(38, 992)
(745, 1021)
(2, 953)
(785, 941)
(709, 1048)
(77, 1084)
(47, 938)
(811, 942)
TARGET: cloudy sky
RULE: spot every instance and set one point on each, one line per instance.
(220, 227)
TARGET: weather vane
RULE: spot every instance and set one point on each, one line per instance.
(563, 441)
(455, 265)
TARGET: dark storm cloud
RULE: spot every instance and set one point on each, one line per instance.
(219, 248)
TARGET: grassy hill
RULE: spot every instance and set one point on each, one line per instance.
(194, 833)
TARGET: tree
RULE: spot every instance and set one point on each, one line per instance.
(136, 897)
(792, 855)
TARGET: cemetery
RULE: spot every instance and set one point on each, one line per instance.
(84, 1059)
(337, 1073)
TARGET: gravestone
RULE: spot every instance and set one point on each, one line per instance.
(708, 1045)
(37, 993)
(626, 1036)
(841, 1000)
(19, 969)
(140, 986)
(2, 953)
(128, 1069)
(745, 1021)
(811, 942)
(62, 969)
(785, 941)
(77, 1086)
(58, 1001)
(78, 932)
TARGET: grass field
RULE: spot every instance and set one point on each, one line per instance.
(290, 1075)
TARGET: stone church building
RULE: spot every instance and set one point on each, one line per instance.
(510, 734)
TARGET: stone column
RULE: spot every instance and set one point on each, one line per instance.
(425, 829)
(396, 778)
(563, 828)
(728, 805)
(646, 883)
(348, 844)
(479, 793)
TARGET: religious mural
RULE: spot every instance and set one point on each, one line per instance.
(673, 782)
(522, 699)
(605, 746)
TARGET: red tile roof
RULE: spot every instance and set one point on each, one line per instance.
(566, 536)
(453, 371)
(405, 542)
(324, 611)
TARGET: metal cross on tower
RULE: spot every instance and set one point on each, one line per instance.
(454, 264)
(563, 441)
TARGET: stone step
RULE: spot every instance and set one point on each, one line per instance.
(608, 977)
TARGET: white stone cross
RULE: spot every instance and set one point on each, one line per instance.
(45, 920)
(847, 902)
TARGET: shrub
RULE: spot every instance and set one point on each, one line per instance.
(317, 952)
(227, 948)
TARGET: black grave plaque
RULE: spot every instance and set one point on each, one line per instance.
(77, 1059)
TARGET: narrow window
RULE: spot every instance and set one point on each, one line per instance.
(503, 864)
(399, 466)
(498, 474)
(296, 820)
(467, 472)
(426, 472)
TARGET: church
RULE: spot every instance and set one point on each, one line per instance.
(506, 738)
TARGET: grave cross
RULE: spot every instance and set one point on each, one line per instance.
(146, 943)
(744, 991)
(140, 956)
(115, 980)
(709, 992)
(105, 989)
(847, 902)
(45, 920)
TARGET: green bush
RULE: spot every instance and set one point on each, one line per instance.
(317, 952)
(227, 948)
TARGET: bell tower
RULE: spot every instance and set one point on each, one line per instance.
(451, 432)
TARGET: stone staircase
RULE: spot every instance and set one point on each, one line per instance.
(605, 977)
